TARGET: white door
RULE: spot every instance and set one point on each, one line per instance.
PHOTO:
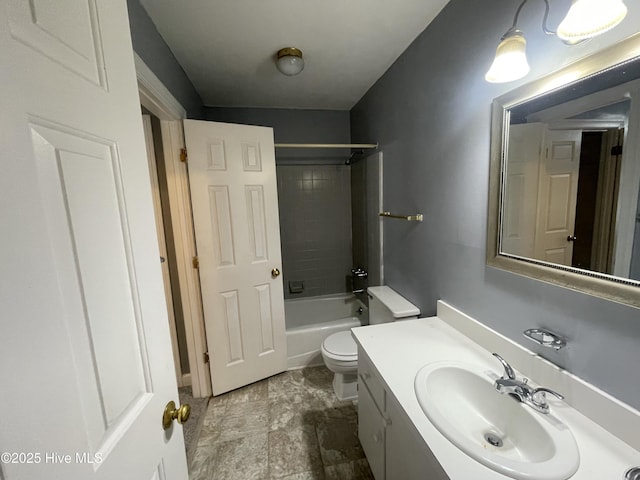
(235, 212)
(557, 195)
(86, 363)
(521, 189)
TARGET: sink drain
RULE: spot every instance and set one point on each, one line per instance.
(493, 439)
(633, 474)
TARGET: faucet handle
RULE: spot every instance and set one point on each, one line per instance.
(538, 399)
(542, 390)
(508, 371)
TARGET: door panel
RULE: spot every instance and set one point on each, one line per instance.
(235, 210)
(74, 42)
(85, 210)
(86, 351)
(558, 190)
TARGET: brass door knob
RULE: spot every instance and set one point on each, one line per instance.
(172, 413)
(275, 272)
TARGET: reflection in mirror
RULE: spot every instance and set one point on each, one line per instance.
(566, 177)
(563, 168)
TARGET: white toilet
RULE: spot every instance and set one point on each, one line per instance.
(339, 350)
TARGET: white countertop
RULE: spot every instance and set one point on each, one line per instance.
(399, 349)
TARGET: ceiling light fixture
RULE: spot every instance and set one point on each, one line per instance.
(586, 19)
(289, 61)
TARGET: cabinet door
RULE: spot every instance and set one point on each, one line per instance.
(371, 431)
(407, 455)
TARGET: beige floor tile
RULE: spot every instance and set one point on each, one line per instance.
(293, 451)
(312, 475)
(287, 385)
(243, 458)
(212, 425)
(290, 426)
(251, 393)
(242, 419)
(338, 440)
(200, 467)
(355, 470)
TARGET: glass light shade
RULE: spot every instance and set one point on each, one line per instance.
(588, 18)
(511, 59)
(290, 61)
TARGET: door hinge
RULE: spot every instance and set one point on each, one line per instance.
(617, 150)
(195, 262)
(206, 357)
(183, 154)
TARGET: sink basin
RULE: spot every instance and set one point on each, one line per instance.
(495, 429)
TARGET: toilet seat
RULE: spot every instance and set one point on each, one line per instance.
(340, 347)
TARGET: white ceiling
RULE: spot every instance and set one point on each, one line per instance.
(227, 47)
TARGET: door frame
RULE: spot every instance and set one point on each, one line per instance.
(156, 98)
(162, 242)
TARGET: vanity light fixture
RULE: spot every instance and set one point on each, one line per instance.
(511, 58)
(586, 19)
(289, 61)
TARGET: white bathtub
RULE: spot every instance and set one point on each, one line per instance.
(310, 320)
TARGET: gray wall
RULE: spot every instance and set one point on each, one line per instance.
(314, 194)
(153, 50)
(295, 126)
(431, 114)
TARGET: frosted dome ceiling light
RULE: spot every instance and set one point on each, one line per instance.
(289, 61)
(588, 18)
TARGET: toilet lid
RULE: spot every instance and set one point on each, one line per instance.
(341, 344)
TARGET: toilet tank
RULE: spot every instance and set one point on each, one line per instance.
(387, 305)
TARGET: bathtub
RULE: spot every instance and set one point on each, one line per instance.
(310, 320)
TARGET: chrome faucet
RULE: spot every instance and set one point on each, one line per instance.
(519, 389)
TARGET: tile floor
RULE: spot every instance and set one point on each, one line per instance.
(192, 428)
(290, 426)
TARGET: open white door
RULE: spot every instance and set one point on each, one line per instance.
(557, 196)
(519, 220)
(86, 362)
(232, 175)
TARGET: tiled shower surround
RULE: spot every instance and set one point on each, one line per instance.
(315, 227)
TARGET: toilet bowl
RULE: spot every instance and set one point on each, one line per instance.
(340, 355)
(339, 350)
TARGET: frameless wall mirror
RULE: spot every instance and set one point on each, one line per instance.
(565, 176)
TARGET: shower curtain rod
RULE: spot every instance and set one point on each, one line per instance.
(326, 145)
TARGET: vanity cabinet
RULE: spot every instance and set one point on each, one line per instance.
(394, 448)
(371, 430)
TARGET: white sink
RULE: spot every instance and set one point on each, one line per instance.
(495, 429)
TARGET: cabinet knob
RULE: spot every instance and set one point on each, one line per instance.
(376, 438)
(366, 376)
